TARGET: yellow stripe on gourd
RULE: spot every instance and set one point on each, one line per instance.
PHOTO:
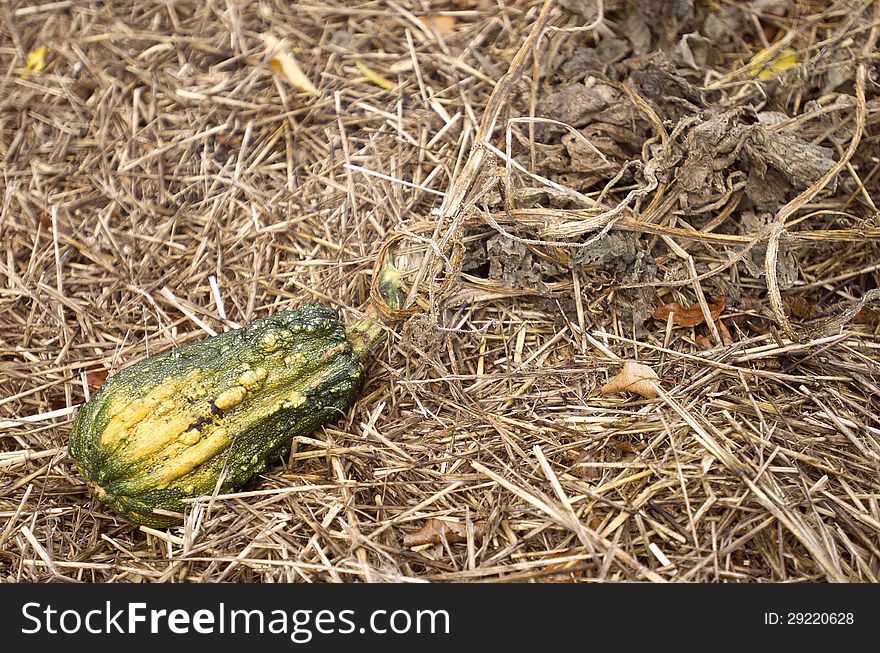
(212, 442)
(164, 398)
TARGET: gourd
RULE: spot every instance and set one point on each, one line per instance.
(172, 426)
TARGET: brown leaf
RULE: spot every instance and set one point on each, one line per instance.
(633, 377)
(708, 342)
(579, 466)
(566, 571)
(96, 378)
(84, 88)
(802, 308)
(564, 566)
(45, 221)
(560, 566)
(867, 316)
(623, 445)
(57, 403)
(724, 332)
(749, 303)
(230, 140)
(690, 316)
(435, 531)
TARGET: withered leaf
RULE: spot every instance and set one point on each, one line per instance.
(375, 77)
(724, 332)
(707, 342)
(284, 63)
(633, 377)
(567, 571)
(36, 61)
(229, 140)
(562, 566)
(435, 531)
(96, 378)
(690, 316)
(556, 569)
(867, 316)
(771, 62)
(749, 303)
(802, 307)
(45, 221)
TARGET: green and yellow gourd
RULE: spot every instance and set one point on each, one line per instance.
(167, 428)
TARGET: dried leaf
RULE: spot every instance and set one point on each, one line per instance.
(690, 316)
(375, 77)
(229, 140)
(435, 531)
(443, 25)
(708, 341)
(802, 308)
(867, 316)
(770, 62)
(580, 467)
(284, 63)
(749, 303)
(96, 378)
(36, 61)
(724, 332)
(45, 222)
(562, 566)
(633, 377)
(623, 445)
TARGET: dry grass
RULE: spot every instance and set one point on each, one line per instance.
(159, 183)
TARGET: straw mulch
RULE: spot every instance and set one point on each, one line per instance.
(549, 174)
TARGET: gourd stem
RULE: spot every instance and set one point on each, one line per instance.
(367, 334)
